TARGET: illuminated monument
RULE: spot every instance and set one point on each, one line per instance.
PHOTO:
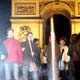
(25, 13)
(34, 13)
(31, 15)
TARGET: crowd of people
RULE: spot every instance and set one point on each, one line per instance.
(19, 60)
(67, 57)
(22, 61)
(70, 58)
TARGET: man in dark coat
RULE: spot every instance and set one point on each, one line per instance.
(73, 58)
(28, 57)
(37, 50)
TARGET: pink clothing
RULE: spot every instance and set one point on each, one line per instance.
(14, 50)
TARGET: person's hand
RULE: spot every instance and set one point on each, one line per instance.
(23, 49)
(32, 53)
(2, 57)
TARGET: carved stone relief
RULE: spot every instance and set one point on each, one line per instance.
(23, 32)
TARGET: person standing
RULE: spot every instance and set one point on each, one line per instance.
(29, 65)
(37, 57)
(37, 50)
(48, 53)
(63, 58)
(74, 53)
(15, 56)
(70, 53)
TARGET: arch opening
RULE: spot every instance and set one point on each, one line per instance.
(62, 27)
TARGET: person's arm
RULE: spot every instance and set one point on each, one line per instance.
(45, 52)
(3, 52)
(23, 46)
(20, 54)
(70, 50)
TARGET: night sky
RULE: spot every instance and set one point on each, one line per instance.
(5, 14)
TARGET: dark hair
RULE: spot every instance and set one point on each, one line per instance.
(73, 38)
(29, 33)
(35, 40)
(77, 45)
(10, 29)
(78, 41)
(78, 37)
(63, 38)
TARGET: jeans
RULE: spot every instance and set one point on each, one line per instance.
(11, 68)
(2, 71)
(33, 75)
(25, 71)
(27, 74)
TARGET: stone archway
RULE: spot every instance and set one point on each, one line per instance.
(56, 8)
(62, 27)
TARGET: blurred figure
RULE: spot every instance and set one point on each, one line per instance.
(37, 50)
(14, 56)
(70, 53)
(29, 66)
(48, 54)
(77, 64)
(74, 53)
(3, 56)
(63, 58)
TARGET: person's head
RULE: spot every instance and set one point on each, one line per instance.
(73, 38)
(78, 37)
(62, 41)
(10, 33)
(29, 35)
(51, 37)
(77, 40)
(36, 41)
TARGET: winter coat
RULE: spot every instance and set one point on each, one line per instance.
(64, 58)
(27, 57)
(37, 51)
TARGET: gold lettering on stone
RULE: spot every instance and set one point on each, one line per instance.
(25, 8)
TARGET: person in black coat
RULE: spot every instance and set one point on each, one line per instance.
(29, 67)
(74, 53)
(77, 56)
(37, 50)
(37, 59)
